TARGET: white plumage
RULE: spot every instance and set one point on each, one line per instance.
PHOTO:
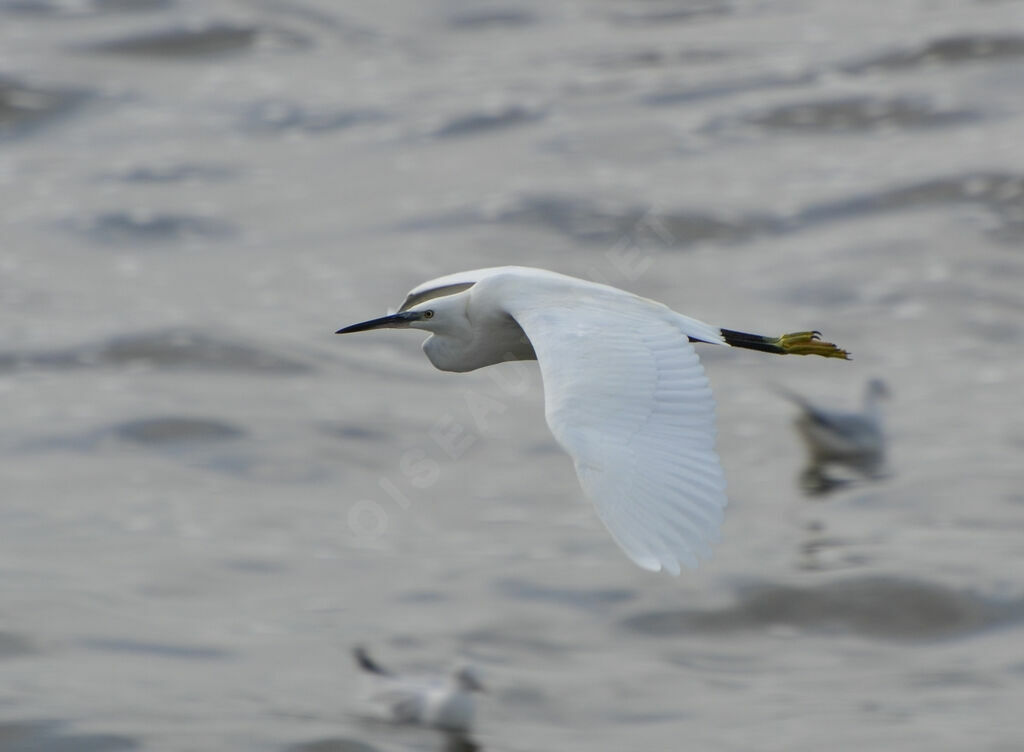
(443, 702)
(625, 393)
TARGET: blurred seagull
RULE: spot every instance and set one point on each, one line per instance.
(625, 394)
(445, 703)
(854, 440)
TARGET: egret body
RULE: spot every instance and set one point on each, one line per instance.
(625, 394)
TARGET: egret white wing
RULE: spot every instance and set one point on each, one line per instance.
(627, 398)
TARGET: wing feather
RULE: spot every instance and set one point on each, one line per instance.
(627, 398)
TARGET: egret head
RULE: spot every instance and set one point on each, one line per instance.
(437, 316)
(411, 319)
(437, 309)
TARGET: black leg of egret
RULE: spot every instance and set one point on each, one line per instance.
(794, 343)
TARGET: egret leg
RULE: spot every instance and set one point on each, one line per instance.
(794, 343)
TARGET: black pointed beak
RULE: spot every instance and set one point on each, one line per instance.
(394, 320)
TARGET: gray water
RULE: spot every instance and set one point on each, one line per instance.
(208, 498)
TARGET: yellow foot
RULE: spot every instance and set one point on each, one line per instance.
(809, 343)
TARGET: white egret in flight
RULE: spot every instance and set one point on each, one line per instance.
(445, 702)
(625, 394)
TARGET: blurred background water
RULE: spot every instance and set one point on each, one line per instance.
(206, 497)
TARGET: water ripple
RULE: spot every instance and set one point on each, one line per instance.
(588, 599)
(156, 649)
(594, 222)
(850, 114)
(339, 744)
(875, 607)
(951, 50)
(483, 122)
(24, 107)
(166, 349)
(281, 116)
(14, 645)
(1002, 193)
(496, 18)
(674, 96)
(134, 227)
(173, 173)
(672, 14)
(589, 221)
(176, 430)
(79, 8)
(214, 39)
(46, 736)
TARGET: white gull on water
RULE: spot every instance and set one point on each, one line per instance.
(850, 439)
(445, 703)
(625, 393)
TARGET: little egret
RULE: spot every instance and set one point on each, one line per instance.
(442, 702)
(625, 394)
(854, 440)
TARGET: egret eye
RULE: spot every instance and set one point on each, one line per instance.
(428, 314)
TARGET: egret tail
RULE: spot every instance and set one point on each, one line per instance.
(794, 343)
